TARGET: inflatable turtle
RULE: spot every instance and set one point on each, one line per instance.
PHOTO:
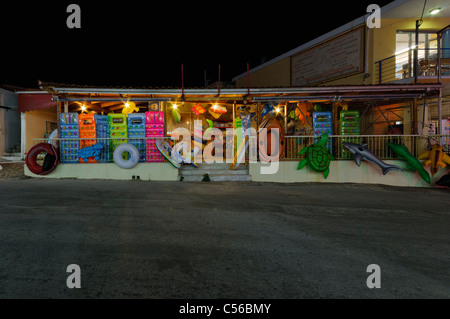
(317, 156)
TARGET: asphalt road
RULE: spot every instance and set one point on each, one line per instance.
(134, 239)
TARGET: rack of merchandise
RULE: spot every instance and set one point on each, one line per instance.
(154, 127)
(117, 129)
(69, 137)
(102, 131)
(136, 133)
(323, 124)
(86, 126)
(349, 125)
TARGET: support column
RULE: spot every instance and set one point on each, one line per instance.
(414, 118)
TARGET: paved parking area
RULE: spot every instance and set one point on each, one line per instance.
(134, 239)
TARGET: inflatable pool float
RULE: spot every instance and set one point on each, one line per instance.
(361, 152)
(317, 156)
(50, 160)
(176, 115)
(133, 158)
(52, 138)
(91, 151)
(435, 158)
(412, 162)
(166, 150)
(187, 159)
(198, 109)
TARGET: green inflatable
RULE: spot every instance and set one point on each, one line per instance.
(317, 156)
(411, 162)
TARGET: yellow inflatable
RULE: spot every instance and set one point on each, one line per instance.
(435, 158)
(130, 107)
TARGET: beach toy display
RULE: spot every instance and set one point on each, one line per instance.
(102, 131)
(317, 157)
(69, 137)
(323, 124)
(154, 127)
(349, 125)
(117, 129)
(136, 133)
(86, 126)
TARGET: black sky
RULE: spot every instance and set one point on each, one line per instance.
(144, 43)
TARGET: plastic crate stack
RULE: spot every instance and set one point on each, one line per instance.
(136, 133)
(69, 137)
(154, 127)
(323, 124)
(102, 128)
(86, 125)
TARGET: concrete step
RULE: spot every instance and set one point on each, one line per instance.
(216, 178)
(214, 166)
(203, 171)
(221, 172)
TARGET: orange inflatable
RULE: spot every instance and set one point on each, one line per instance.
(198, 109)
(268, 151)
(301, 111)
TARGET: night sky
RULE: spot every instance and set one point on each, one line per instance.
(144, 43)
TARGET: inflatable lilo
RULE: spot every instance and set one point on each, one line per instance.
(133, 157)
(50, 160)
(435, 158)
(411, 161)
(317, 156)
(361, 152)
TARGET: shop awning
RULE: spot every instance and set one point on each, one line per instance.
(34, 101)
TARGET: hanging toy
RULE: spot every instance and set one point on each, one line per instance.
(301, 112)
(267, 108)
(198, 109)
(176, 114)
(130, 107)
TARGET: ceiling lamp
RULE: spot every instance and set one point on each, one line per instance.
(435, 11)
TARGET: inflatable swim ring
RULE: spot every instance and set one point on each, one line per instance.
(133, 159)
(50, 160)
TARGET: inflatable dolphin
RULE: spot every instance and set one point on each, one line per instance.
(361, 152)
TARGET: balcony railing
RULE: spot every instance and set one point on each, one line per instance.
(401, 66)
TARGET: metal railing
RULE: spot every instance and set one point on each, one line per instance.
(377, 144)
(401, 66)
